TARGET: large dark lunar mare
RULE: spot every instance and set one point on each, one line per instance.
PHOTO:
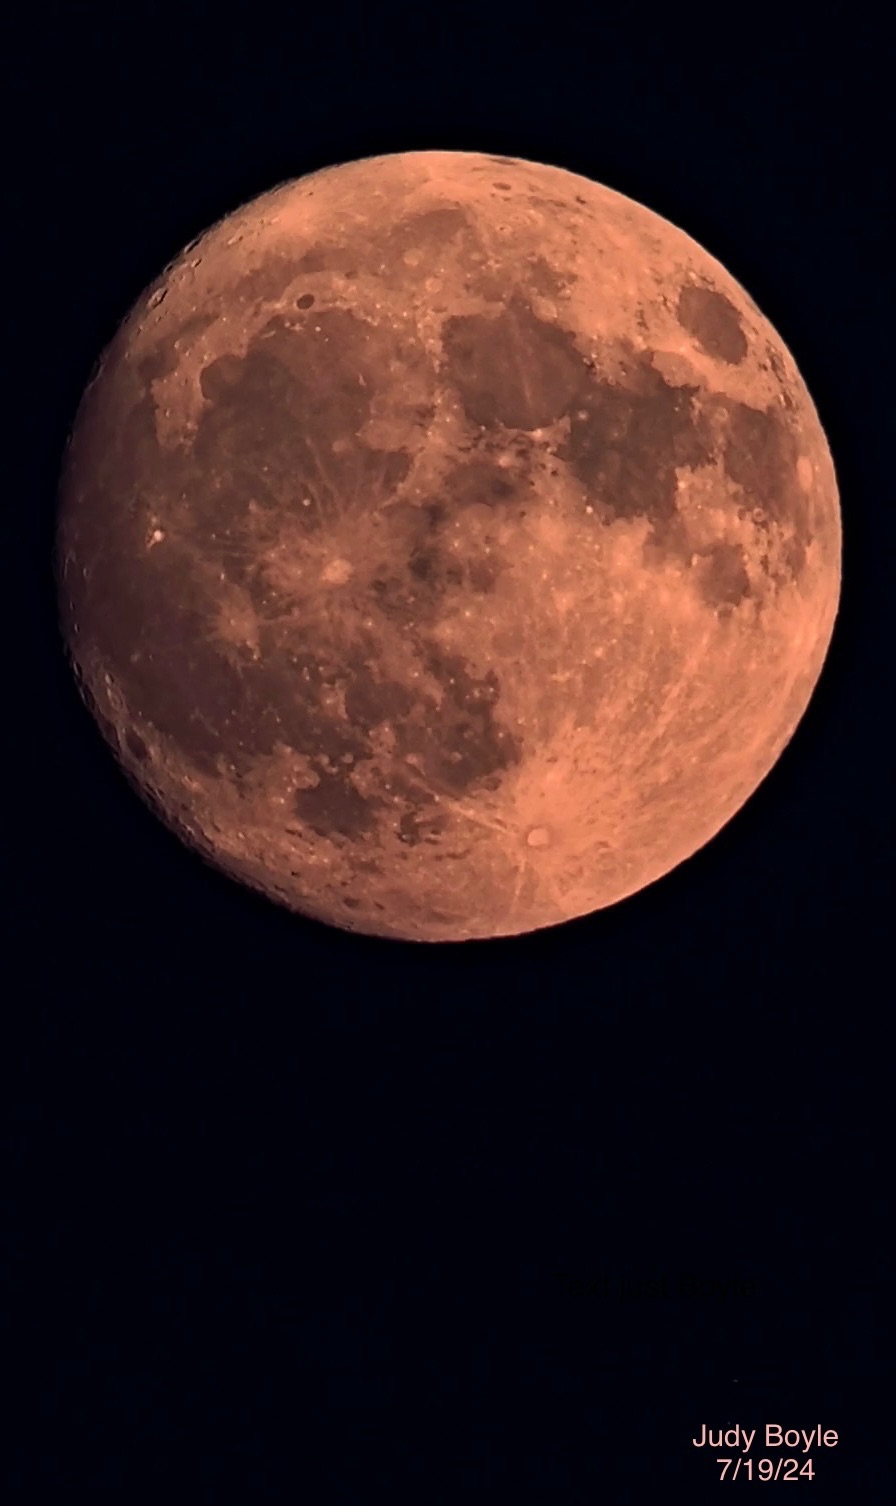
(149, 612)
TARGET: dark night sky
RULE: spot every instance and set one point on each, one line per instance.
(245, 1155)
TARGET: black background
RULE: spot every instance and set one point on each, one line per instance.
(284, 1209)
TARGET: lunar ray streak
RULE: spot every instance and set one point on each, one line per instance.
(479, 820)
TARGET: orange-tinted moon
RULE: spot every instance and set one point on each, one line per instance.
(448, 546)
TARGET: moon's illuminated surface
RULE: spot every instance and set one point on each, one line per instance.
(448, 546)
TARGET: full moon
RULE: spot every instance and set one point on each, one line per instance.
(447, 546)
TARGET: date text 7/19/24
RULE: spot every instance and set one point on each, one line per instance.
(766, 1469)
